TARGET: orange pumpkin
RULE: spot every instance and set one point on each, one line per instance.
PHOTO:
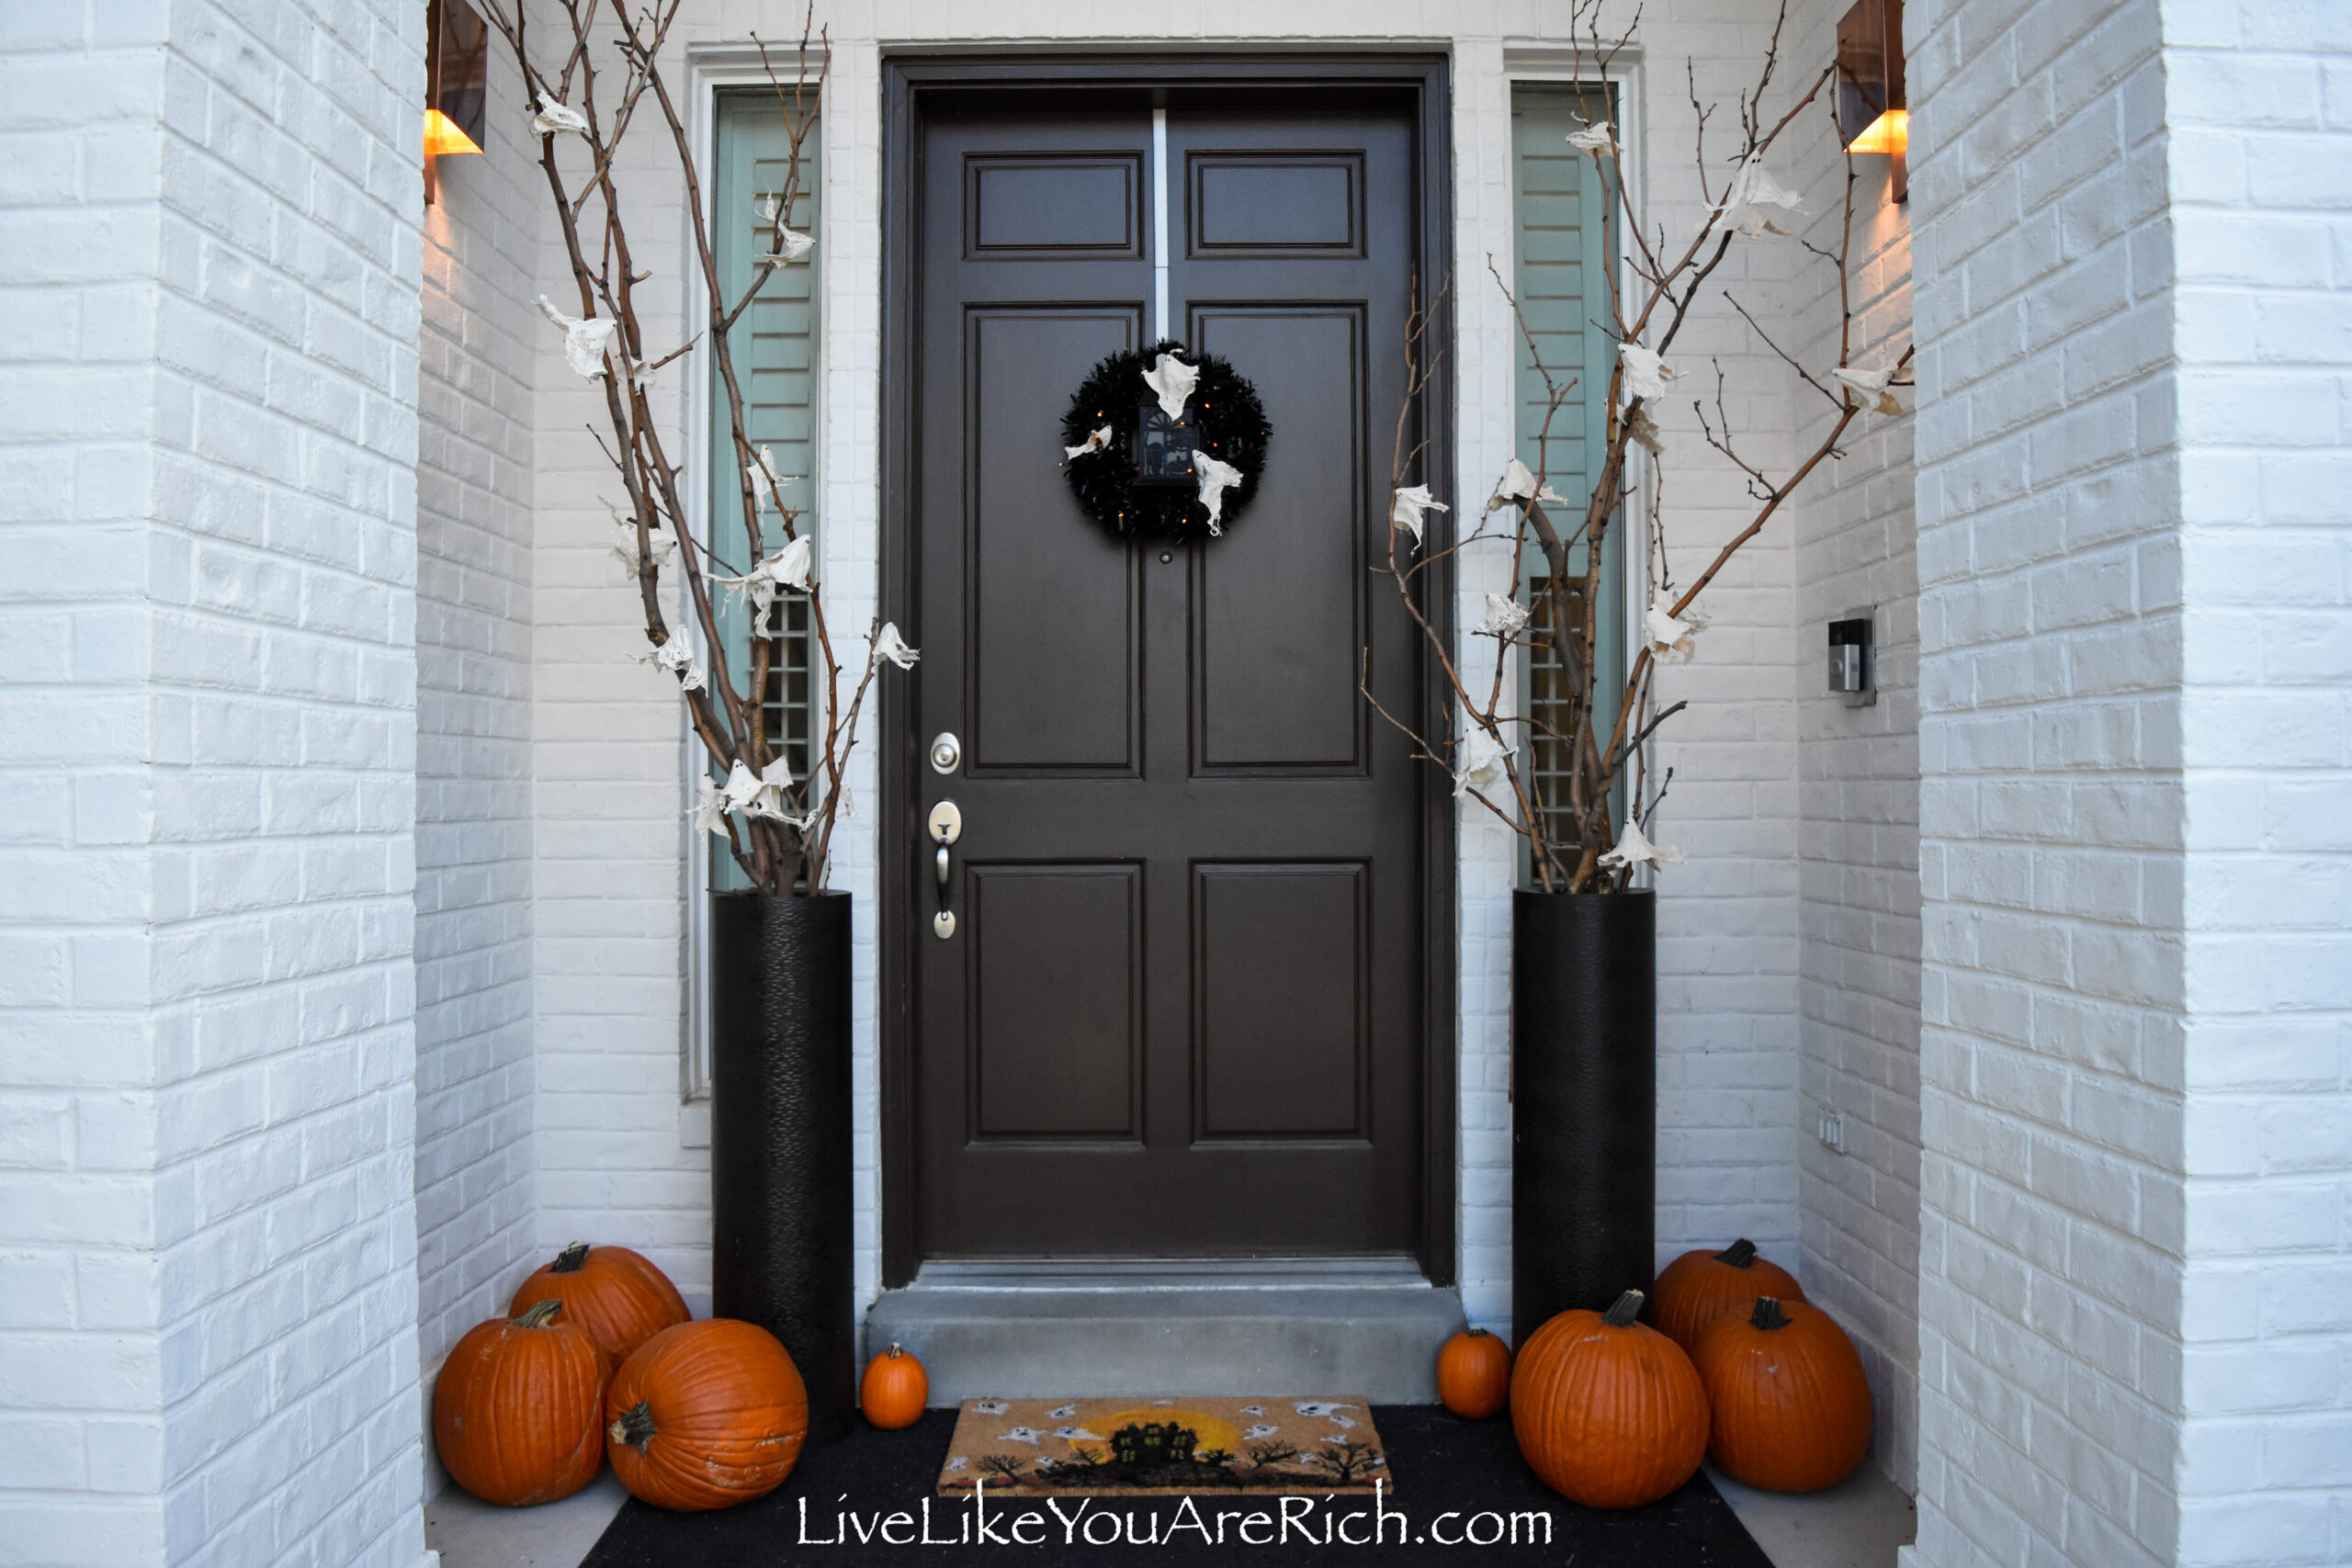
(618, 1296)
(894, 1389)
(1791, 1406)
(1608, 1411)
(706, 1416)
(1474, 1373)
(1700, 1287)
(517, 1411)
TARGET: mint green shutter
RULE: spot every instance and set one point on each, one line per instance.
(775, 348)
(1562, 253)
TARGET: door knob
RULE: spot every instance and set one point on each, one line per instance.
(947, 826)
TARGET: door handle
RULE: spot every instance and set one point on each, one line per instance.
(946, 825)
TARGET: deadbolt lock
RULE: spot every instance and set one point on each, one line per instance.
(946, 753)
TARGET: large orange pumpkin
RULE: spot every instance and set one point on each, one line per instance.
(1791, 1406)
(1700, 1287)
(1474, 1373)
(894, 1390)
(618, 1296)
(706, 1416)
(1607, 1411)
(519, 1409)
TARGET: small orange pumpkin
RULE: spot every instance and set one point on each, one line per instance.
(706, 1416)
(618, 1296)
(1474, 1373)
(1791, 1405)
(1700, 1287)
(517, 1411)
(894, 1390)
(1607, 1411)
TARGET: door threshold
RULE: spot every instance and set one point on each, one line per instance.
(1323, 1327)
(1374, 1271)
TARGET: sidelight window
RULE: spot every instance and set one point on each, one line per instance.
(1563, 250)
(775, 348)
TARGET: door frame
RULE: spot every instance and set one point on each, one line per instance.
(908, 82)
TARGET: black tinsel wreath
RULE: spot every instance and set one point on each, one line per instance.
(1229, 422)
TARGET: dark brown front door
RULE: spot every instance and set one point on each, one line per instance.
(1181, 1010)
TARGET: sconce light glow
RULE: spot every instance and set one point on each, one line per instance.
(442, 136)
(1890, 132)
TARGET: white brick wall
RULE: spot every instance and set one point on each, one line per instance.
(1859, 796)
(208, 271)
(2050, 802)
(609, 959)
(475, 1230)
(2258, 101)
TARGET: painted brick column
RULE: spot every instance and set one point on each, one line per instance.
(209, 284)
(2131, 225)
(2258, 100)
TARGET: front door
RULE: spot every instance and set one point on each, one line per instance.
(1181, 1011)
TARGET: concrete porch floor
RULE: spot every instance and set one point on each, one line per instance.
(1857, 1525)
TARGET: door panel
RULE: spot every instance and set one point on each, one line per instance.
(1055, 952)
(1281, 966)
(1054, 622)
(1181, 1010)
(1283, 593)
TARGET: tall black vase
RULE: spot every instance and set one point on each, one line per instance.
(780, 1137)
(1584, 1102)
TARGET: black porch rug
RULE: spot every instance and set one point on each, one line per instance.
(1467, 1495)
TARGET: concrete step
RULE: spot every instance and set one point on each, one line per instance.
(1289, 1329)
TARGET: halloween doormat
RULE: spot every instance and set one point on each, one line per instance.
(868, 1501)
(1143, 1448)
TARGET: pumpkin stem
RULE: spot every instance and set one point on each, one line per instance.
(1768, 1314)
(1622, 1315)
(895, 1351)
(1739, 1254)
(539, 1316)
(635, 1427)
(572, 1258)
(1476, 1332)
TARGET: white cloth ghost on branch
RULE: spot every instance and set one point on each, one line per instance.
(793, 244)
(1518, 485)
(679, 659)
(1751, 191)
(1172, 381)
(1482, 762)
(889, 644)
(1216, 477)
(709, 809)
(788, 568)
(1645, 432)
(659, 542)
(585, 343)
(1646, 374)
(766, 482)
(1669, 639)
(1634, 848)
(1099, 441)
(1411, 503)
(1505, 618)
(1593, 138)
(554, 115)
(1871, 385)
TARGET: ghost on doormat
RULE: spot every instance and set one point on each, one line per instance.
(1134, 1448)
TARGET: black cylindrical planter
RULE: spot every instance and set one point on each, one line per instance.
(1584, 1102)
(780, 1137)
